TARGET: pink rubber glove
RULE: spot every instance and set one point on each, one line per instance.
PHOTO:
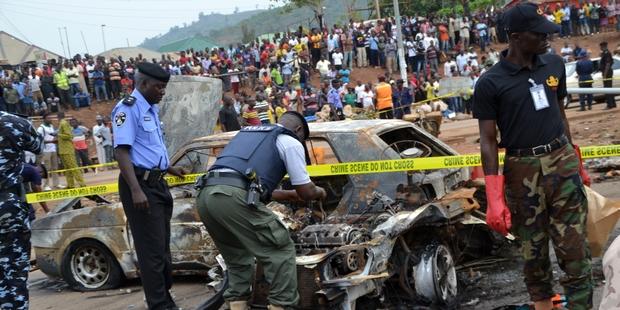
(498, 215)
(582, 171)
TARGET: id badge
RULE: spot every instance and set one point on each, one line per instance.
(539, 96)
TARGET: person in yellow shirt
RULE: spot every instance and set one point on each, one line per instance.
(557, 15)
(66, 152)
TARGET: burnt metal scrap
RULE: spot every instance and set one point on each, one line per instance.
(384, 238)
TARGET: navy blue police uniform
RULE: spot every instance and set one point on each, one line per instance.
(16, 136)
(137, 127)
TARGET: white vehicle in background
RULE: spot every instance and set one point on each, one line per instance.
(572, 80)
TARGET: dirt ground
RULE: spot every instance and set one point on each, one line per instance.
(486, 286)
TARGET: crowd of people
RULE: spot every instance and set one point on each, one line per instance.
(308, 71)
(281, 68)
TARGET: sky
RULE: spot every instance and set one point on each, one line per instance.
(126, 21)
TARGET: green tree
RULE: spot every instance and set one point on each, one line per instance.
(315, 5)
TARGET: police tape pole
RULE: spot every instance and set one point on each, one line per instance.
(349, 168)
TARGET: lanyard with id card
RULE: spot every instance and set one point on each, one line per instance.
(539, 96)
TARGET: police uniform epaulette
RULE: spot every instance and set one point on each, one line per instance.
(129, 100)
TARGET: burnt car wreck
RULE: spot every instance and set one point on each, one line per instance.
(378, 240)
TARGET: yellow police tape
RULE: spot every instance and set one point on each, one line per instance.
(97, 189)
(361, 167)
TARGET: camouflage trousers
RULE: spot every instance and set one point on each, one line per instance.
(14, 252)
(547, 201)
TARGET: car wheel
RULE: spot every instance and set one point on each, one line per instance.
(89, 266)
(435, 276)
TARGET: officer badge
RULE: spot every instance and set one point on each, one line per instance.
(552, 82)
(120, 118)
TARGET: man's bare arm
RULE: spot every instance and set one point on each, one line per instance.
(488, 146)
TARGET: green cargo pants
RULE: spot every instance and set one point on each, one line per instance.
(241, 234)
(547, 201)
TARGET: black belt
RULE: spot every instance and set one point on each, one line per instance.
(227, 178)
(539, 150)
(146, 174)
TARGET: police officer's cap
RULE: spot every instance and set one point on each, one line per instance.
(303, 121)
(154, 71)
(528, 17)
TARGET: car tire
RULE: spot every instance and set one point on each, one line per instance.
(435, 276)
(88, 265)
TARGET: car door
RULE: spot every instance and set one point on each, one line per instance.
(190, 244)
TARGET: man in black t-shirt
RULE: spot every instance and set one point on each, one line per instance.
(605, 66)
(229, 120)
(545, 198)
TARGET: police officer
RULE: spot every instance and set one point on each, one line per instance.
(16, 136)
(544, 178)
(143, 161)
(239, 223)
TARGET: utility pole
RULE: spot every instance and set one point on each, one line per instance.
(399, 39)
(62, 43)
(68, 48)
(127, 42)
(84, 40)
(378, 8)
(103, 37)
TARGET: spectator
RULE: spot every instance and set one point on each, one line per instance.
(66, 152)
(102, 136)
(49, 155)
(250, 115)
(566, 52)
(11, 98)
(585, 68)
(80, 136)
(228, 117)
(73, 74)
(61, 81)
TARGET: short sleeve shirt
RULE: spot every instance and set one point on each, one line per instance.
(137, 125)
(292, 154)
(503, 94)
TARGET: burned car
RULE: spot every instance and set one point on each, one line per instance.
(382, 238)
(87, 242)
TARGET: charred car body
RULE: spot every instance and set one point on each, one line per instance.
(388, 238)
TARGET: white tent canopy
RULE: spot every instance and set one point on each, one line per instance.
(14, 51)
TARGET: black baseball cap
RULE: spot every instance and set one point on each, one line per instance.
(528, 17)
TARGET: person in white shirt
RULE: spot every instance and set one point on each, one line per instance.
(337, 58)
(473, 56)
(358, 92)
(103, 141)
(494, 56)
(566, 52)
(367, 98)
(323, 67)
(448, 66)
(461, 60)
(49, 154)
